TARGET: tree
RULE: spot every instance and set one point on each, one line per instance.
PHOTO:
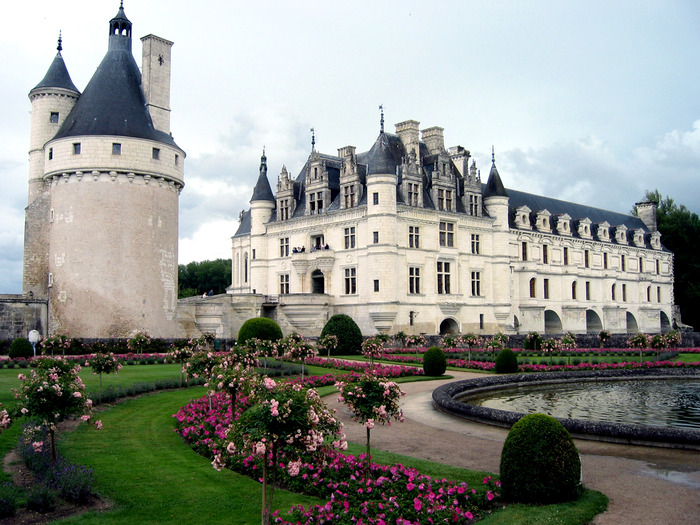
(196, 278)
(680, 233)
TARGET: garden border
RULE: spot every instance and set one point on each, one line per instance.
(689, 439)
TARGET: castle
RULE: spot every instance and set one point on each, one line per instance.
(105, 176)
(402, 237)
(406, 237)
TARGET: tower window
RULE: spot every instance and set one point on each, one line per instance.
(375, 237)
(50, 153)
(76, 148)
(156, 153)
(116, 148)
(376, 285)
(375, 198)
(177, 160)
(54, 117)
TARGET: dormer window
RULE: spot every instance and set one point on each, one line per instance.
(604, 231)
(638, 238)
(563, 227)
(584, 228)
(621, 234)
(522, 217)
(655, 240)
(543, 221)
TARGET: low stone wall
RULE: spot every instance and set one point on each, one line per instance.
(19, 315)
(444, 400)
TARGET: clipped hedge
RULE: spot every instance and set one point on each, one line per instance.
(434, 362)
(21, 347)
(348, 333)
(506, 362)
(259, 328)
(539, 462)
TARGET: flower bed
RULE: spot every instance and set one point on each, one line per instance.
(543, 367)
(389, 494)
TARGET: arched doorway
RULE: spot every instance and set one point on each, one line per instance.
(449, 326)
(593, 323)
(632, 327)
(552, 322)
(318, 282)
(665, 322)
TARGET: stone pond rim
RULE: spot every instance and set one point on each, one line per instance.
(444, 400)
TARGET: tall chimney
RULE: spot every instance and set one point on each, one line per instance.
(155, 79)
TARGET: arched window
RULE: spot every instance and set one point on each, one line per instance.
(533, 287)
(573, 290)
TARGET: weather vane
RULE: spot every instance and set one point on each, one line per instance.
(313, 140)
(381, 120)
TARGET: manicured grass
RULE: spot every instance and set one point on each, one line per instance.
(152, 476)
(578, 512)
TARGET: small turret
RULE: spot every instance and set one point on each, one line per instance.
(495, 196)
(120, 31)
(262, 190)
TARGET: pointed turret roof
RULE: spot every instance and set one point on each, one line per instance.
(113, 102)
(384, 155)
(57, 76)
(494, 186)
(262, 191)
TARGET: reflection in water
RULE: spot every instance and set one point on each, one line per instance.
(657, 402)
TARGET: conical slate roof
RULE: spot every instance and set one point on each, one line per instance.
(57, 76)
(113, 102)
(494, 186)
(384, 155)
(262, 190)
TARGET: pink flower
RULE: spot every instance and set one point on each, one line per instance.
(77, 394)
(410, 486)
(85, 417)
(98, 424)
(38, 446)
(370, 424)
(417, 504)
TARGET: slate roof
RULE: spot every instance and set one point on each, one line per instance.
(57, 76)
(494, 186)
(262, 190)
(113, 102)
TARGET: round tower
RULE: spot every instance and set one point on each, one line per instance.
(114, 182)
(52, 100)
(262, 204)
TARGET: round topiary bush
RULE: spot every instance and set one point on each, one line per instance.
(348, 334)
(506, 362)
(260, 328)
(434, 361)
(539, 462)
(21, 347)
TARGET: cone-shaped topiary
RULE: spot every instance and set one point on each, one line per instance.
(434, 361)
(506, 362)
(260, 328)
(348, 334)
(539, 462)
(21, 347)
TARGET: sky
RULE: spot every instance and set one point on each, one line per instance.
(593, 102)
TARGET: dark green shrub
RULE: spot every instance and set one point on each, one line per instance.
(9, 495)
(41, 499)
(348, 334)
(506, 362)
(434, 362)
(21, 347)
(533, 341)
(539, 462)
(260, 328)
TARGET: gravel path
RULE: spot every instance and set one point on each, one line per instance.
(646, 485)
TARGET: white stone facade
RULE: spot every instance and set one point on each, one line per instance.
(394, 266)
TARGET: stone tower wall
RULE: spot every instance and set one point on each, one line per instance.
(45, 101)
(113, 237)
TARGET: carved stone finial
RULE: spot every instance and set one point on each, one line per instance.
(60, 42)
(381, 119)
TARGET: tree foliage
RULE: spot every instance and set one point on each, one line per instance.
(680, 233)
(197, 278)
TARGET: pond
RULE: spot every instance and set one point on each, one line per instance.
(671, 403)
